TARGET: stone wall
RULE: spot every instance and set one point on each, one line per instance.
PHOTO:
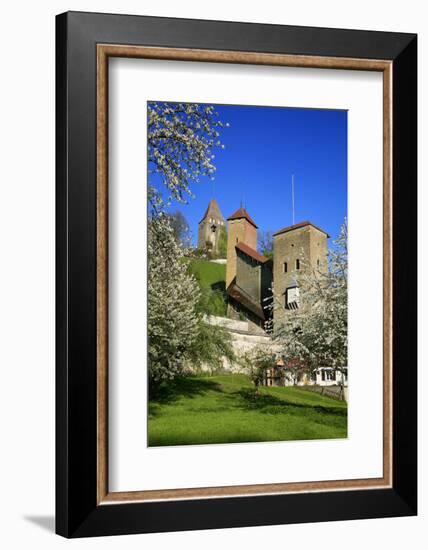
(303, 244)
(248, 276)
(242, 341)
(202, 235)
(287, 248)
(237, 313)
(318, 250)
(206, 234)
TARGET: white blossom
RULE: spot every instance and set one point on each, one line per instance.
(173, 296)
(316, 333)
(181, 138)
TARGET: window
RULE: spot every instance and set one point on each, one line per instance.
(328, 374)
(318, 262)
(292, 297)
(285, 267)
(297, 263)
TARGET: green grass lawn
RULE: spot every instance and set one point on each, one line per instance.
(211, 278)
(209, 274)
(223, 409)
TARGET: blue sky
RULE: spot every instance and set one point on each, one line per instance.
(264, 146)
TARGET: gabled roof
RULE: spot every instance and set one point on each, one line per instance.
(252, 253)
(212, 211)
(298, 226)
(242, 213)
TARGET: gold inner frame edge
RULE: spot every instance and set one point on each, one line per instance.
(104, 52)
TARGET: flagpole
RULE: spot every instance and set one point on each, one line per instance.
(292, 195)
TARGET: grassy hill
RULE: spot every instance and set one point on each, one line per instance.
(209, 274)
(223, 409)
(211, 277)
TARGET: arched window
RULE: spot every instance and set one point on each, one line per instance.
(285, 267)
(297, 263)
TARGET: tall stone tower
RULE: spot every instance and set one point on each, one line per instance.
(211, 229)
(294, 246)
(241, 229)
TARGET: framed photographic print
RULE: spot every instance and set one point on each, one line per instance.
(236, 274)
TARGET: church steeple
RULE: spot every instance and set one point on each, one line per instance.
(212, 211)
(210, 229)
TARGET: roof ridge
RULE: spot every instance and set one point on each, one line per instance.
(213, 207)
(240, 213)
(298, 226)
(246, 249)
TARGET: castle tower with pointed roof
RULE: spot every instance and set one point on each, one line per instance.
(241, 229)
(248, 273)
(211, 229)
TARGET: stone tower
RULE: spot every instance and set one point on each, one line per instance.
(211, 228)
(292, 247)
(241, 229)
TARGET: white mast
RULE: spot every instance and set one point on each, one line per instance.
(292, 195)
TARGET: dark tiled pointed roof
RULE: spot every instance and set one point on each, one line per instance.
(213, 211)
(252, 253)
(242, 213)
(298, 226)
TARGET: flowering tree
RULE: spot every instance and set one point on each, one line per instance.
(212, 346)
(317, 332)
(181, 138)
(173, 297)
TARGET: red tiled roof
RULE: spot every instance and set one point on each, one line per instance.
(242, 213)
(298, 226)
(251, 252)
(240, 296)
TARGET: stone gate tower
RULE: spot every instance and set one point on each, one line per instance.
(293, 247)
(210, 228)
(241, 229)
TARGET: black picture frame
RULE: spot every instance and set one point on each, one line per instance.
(77, 511)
